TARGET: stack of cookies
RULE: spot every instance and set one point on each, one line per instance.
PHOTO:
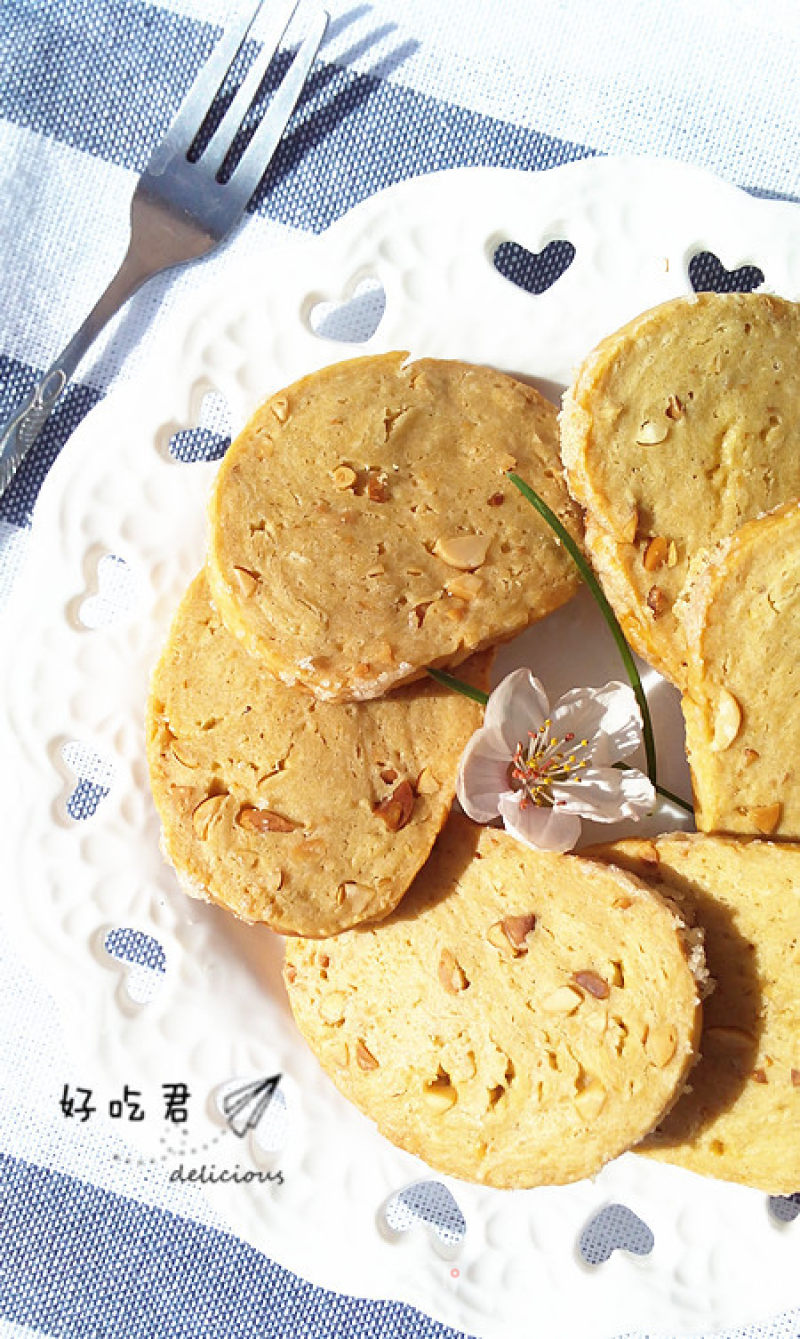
(519, 1017)
(678, 436)
(362, 529)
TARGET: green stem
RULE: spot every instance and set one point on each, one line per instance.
(662, 790)
(607, 612)
(458, 686)
(675, 799)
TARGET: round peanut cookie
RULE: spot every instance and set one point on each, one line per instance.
(740, 1118)
(362, 526)
(307, 816)
(675, 430)
(522, 1018)
(741, 706)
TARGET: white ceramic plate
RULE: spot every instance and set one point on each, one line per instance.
(718, 1258)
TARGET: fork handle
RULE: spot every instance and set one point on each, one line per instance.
(27, 421)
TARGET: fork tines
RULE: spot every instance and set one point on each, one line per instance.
(195, 107)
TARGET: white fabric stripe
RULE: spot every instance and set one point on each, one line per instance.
(620, 78)
(81, 204)
(31, 1124)
(616, 77)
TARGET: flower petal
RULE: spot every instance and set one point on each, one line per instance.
(517, 705)
(482, 777)
(608, 717)
(537, 826)
(606, 794)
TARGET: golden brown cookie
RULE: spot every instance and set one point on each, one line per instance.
(362, 526)
(740, 1117)
(307, 816)
(677, 429)
(742, 704)
(521, 1018)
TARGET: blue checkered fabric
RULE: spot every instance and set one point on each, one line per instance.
(88, 1245)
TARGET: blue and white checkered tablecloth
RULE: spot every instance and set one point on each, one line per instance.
(88, 1245)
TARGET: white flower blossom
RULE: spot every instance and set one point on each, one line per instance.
(543, 771)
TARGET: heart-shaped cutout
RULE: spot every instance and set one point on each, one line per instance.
(427, 1204)
(535, 271)
(140, 959)
(614, 1228)
(355, 319)
(209, 439)
(112, 593)
(94, 779)
(784, 1208)
(134, 946)
(707, 274)
(258, 1107)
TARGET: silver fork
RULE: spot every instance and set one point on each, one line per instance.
(180, 211)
